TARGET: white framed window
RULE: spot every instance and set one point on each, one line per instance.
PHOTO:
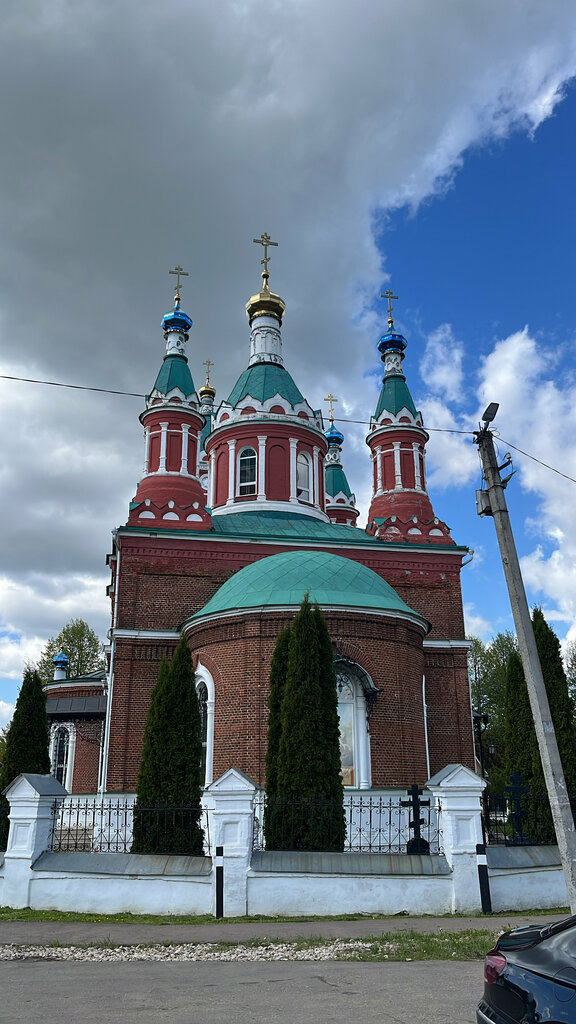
(205, 691)
(246, 471)
(202, 691)
(303, 474)
(353, 684)
(62, 749)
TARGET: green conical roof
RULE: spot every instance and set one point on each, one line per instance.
(263, 381)
(336, 481)
(394, 397)
(285, 579)
(175, 373)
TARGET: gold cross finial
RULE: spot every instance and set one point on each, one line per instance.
(265, 241)
(388, 295)
(179, 272)
(208, 364)
(330, 398)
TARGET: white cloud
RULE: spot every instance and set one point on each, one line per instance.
(441, 364)
(6, 712)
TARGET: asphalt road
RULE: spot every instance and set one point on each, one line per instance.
(439, 992)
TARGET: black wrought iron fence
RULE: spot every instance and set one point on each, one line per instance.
(4, 824)
(373, 823)
(87, 825)
(518, 816)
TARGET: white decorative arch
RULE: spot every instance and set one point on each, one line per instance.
(205, 677)
(66, 769)
(354, 684)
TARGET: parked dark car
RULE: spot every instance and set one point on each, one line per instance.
(530, 976)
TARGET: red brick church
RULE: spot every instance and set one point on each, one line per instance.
(242, 509)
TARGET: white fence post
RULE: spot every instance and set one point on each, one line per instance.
(230, 802)
(31, 799)
(457, 791)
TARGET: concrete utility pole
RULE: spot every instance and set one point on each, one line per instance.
(493, 503)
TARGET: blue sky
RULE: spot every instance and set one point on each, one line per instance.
(430, 149)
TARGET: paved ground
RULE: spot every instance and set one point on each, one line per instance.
(70, 933)
(215, 993)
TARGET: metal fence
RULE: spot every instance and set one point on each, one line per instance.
(103, 825)
(373, 823)
(518, 816)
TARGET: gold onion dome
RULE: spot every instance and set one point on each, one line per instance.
(265, 302)
(207, 390)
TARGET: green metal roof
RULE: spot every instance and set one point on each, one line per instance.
(287, 525)
(394, 397)
(336, 481)
(174, 373)
(285, 579)
(263, 381)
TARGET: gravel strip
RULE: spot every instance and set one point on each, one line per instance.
(336, 950)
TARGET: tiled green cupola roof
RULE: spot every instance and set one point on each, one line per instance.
(174, 373)
(394, 397)
(263, 381)
(285, 579)
(336, 482)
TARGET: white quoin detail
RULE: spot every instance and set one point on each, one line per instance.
(397, 466)
(212, 479)
(231, 470)
(184, 462)
(146, 448)
(265, 341)
(293, 446)
(163, 444)
(417, 475)
(261, 468)
(378, 469)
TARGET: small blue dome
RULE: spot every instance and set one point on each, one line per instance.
(176, 320)
(333, 436)
(61, 660)
(392, 342)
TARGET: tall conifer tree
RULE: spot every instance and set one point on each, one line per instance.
(26, 747)
(278, 671)
(167, 810)
(308, 802)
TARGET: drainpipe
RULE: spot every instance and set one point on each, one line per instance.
(425, 708)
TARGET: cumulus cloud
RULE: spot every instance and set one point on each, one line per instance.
(6, 712)
(141, 134)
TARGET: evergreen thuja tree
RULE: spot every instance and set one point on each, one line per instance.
(26, 748)
(278, 671)
(308, 798)
(167, 809)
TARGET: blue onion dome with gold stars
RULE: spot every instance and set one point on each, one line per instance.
(334, 436)
(176, 319)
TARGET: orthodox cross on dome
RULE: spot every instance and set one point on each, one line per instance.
(265, 241)
(388, 295)
(179, 272)
(330, 398)
(208, 364)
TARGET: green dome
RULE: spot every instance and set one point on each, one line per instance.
(329, 580)
(264, 381)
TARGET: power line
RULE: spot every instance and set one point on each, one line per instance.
(337, 419)
(76, 387)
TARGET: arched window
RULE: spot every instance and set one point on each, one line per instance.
(303, 477)
(247, 471)
(62, 748)
(205, 691)
(353, 685)
(202, 691)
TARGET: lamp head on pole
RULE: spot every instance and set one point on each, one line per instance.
(490, 412)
